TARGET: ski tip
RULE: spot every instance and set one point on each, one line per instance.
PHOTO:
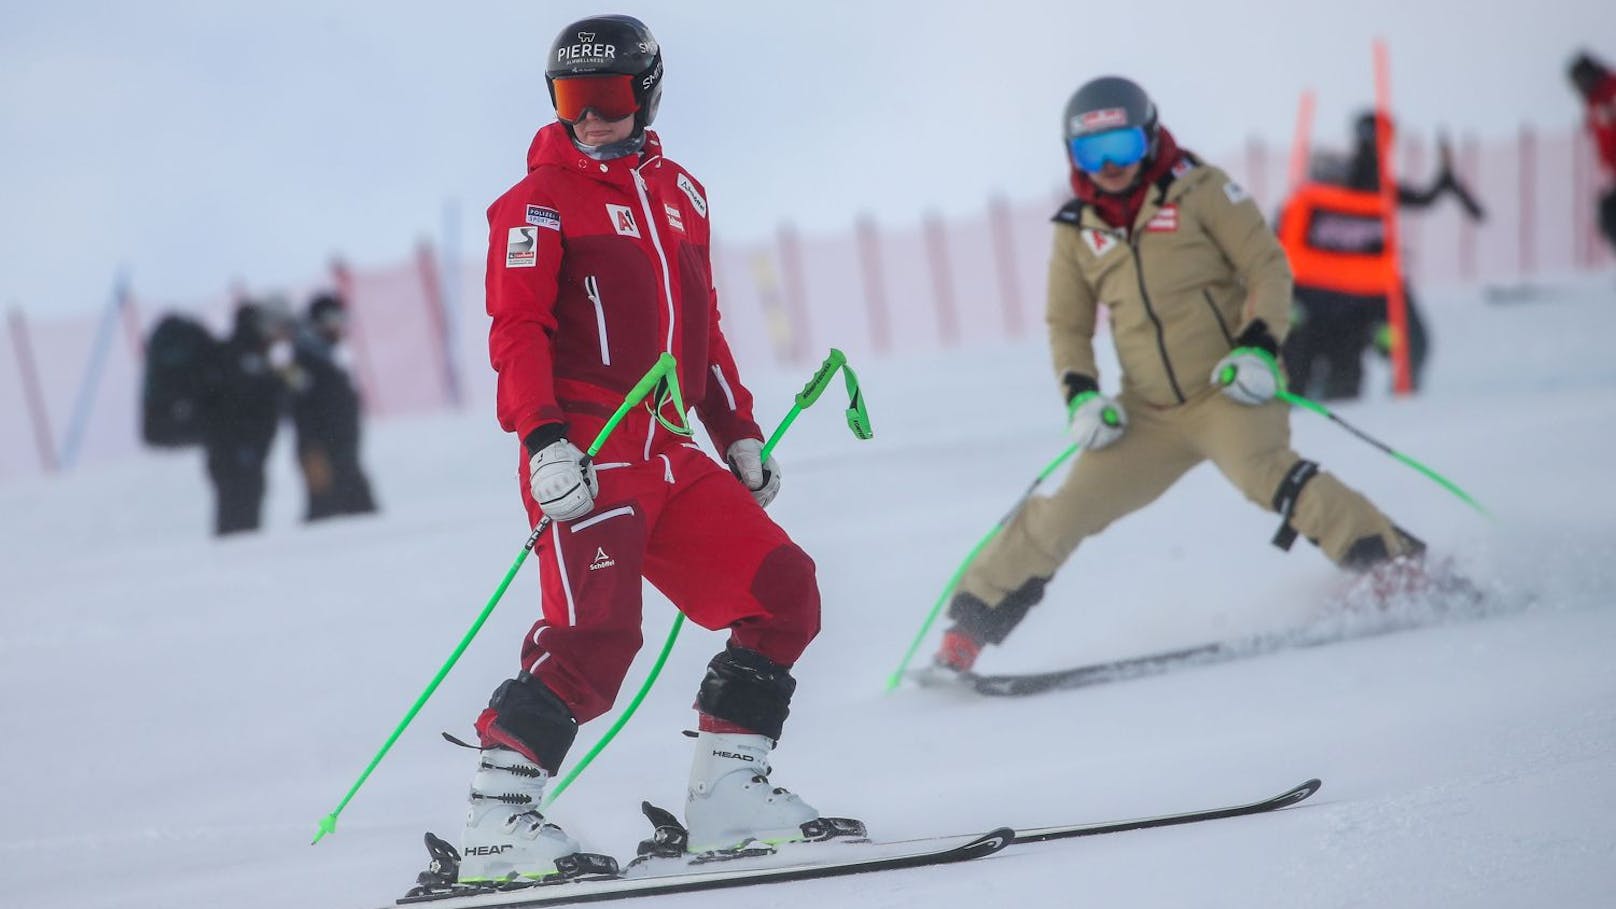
(988, 843)
(1303, 791)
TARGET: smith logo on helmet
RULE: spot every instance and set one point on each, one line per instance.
(655, 74)
(588, 51)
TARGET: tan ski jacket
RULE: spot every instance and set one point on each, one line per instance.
(1198, 267)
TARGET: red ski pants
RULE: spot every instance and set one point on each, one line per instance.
(689, 527)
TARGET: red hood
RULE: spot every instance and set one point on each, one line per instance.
(1119, 211)
(553, 145)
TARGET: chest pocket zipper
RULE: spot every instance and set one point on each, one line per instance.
(592, 288)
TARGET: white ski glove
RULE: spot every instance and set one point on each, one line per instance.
(1248, 375)
(1096, 420)
(763, 479)
(564, 490)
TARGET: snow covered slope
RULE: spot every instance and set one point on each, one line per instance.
(178, 714)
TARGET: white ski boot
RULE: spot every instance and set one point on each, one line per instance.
(506, 837)
(731, 802)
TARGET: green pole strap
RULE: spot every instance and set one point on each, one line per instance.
(805, 399)
(858, 418)
(1444, 482)
(665, 366)
(896, 677)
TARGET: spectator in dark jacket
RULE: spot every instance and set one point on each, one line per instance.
(326, 415)
(241, 405)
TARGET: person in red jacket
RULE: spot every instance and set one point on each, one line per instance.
(1597, 85)
(598, 263)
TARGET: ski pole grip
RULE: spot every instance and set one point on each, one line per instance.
(821, 378)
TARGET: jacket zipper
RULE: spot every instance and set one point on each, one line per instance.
(656, 243)
(1222, 326)
(592, 288)
(667, 290)
(1161, 334)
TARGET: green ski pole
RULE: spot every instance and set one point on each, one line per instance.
(896, 677)
(858, 420)
(664, 367)
(1444, 482)
(1228, 374)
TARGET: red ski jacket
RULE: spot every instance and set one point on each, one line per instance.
(1602, 121)
(594, 269)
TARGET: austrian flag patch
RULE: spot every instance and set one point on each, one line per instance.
(1165, 221)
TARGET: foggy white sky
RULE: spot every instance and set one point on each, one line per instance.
(201, 142)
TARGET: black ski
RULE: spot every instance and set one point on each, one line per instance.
(1012, 684)
(1066, 831)
(892, 856)
(898, 855)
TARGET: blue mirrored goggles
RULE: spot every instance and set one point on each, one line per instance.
(1121, 147)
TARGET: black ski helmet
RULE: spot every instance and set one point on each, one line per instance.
(1107, 103)
(606, 45)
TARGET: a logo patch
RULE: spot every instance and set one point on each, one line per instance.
(587, 50)
(690, 190)
(675, 219)
(1236, 193)
(1164, 221)
(602, 560)
(1097, 120)
(1099, 241)
(622, 220)
(540, 216)
(1183, 167)
(522, 247)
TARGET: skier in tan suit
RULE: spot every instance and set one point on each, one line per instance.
(1199, 294)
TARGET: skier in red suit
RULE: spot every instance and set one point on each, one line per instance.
(1596, 84)
(598, 263)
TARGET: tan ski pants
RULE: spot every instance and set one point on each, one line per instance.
(1250, 445)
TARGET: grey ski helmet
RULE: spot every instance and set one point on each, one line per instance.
(1110, 103)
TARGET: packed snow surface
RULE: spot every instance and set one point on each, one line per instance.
(179, 713)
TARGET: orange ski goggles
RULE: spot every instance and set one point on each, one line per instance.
(610, 96)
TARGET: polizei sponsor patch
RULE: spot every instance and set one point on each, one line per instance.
(522, 247)
(539, 216)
